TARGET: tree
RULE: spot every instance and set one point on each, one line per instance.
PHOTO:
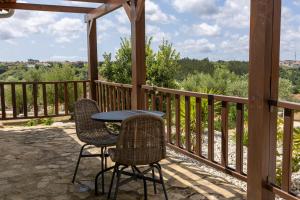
(161, 67)
(161, 72)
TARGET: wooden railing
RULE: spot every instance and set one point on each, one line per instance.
(187, 126)
(23, 100)
(113, 96)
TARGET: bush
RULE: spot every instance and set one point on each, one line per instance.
(35, 122)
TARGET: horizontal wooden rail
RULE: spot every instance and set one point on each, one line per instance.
(27, 100)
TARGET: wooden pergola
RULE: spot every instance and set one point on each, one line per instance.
(263, 76)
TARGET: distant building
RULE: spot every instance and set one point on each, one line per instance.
(290, 63)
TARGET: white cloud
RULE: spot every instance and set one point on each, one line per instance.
(155, 14)
(122, 17)
(104, 25)
(67, 29)
(157, 34)
(24, 23)
(124, 30)
(236, 43)
(205, 29)
(296, 2)
(200, 45)
(234, 13)
(199, 7)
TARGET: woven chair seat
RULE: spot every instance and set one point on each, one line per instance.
(136, 156)
(99, 138)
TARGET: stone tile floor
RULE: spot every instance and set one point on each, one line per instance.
(37, 163)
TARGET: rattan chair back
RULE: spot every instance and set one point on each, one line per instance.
(85, 126)
(141, 140)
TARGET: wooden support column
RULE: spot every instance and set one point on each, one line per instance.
(92, 57)
(138, 53)
(263, 87)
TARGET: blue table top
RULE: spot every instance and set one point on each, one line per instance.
(119, 116)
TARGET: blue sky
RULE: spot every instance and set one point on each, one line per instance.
(217, 29)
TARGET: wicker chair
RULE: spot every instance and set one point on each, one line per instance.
(92, 133)
(141, 143)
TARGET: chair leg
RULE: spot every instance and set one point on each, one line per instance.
(78, 162)
(102, 168)
(118, 182)
(145, 189)
(162, 180)
(112, 180)
(154, 183)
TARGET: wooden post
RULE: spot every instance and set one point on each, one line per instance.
(263, 86)
(92, 57)
(138, 54)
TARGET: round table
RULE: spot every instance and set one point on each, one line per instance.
(119, 116)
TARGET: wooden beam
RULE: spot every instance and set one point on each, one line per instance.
(138, 56)
(264, 67)
(89, 1)
(127, 9)
(44, 7)
(92, 57)
(106, 8)
(140, 7)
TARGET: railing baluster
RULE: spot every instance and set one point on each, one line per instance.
(56, 98)
(198, 127)
(3, 110)
(239, 137)
(211, 127)
(109, 106)
(113, 90)
(187, 123)
(287, 149)
(160, 102)
(224, 131)
(169, 119)
(123, 98)
(118, 98)
(97, 93)
(146, 99)
(105, 97)
(177, 119)
(66, 98)
(35, 100)
(153, 100)
(24, 92)
(75, 91)
(84, 89)
(45, 100)
(101, 97)
(13, 99)
(128, 103)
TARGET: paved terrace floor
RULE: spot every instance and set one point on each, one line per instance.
(37, 164)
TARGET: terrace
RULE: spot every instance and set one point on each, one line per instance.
(198, 158)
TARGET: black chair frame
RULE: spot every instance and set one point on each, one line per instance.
(134, 175)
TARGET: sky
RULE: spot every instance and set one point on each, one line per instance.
(214, 29)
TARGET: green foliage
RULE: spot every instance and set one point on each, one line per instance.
(161, 66)
(120, 70)
(191, 66)
(35, 122)
(221, 81)
(285, 89)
